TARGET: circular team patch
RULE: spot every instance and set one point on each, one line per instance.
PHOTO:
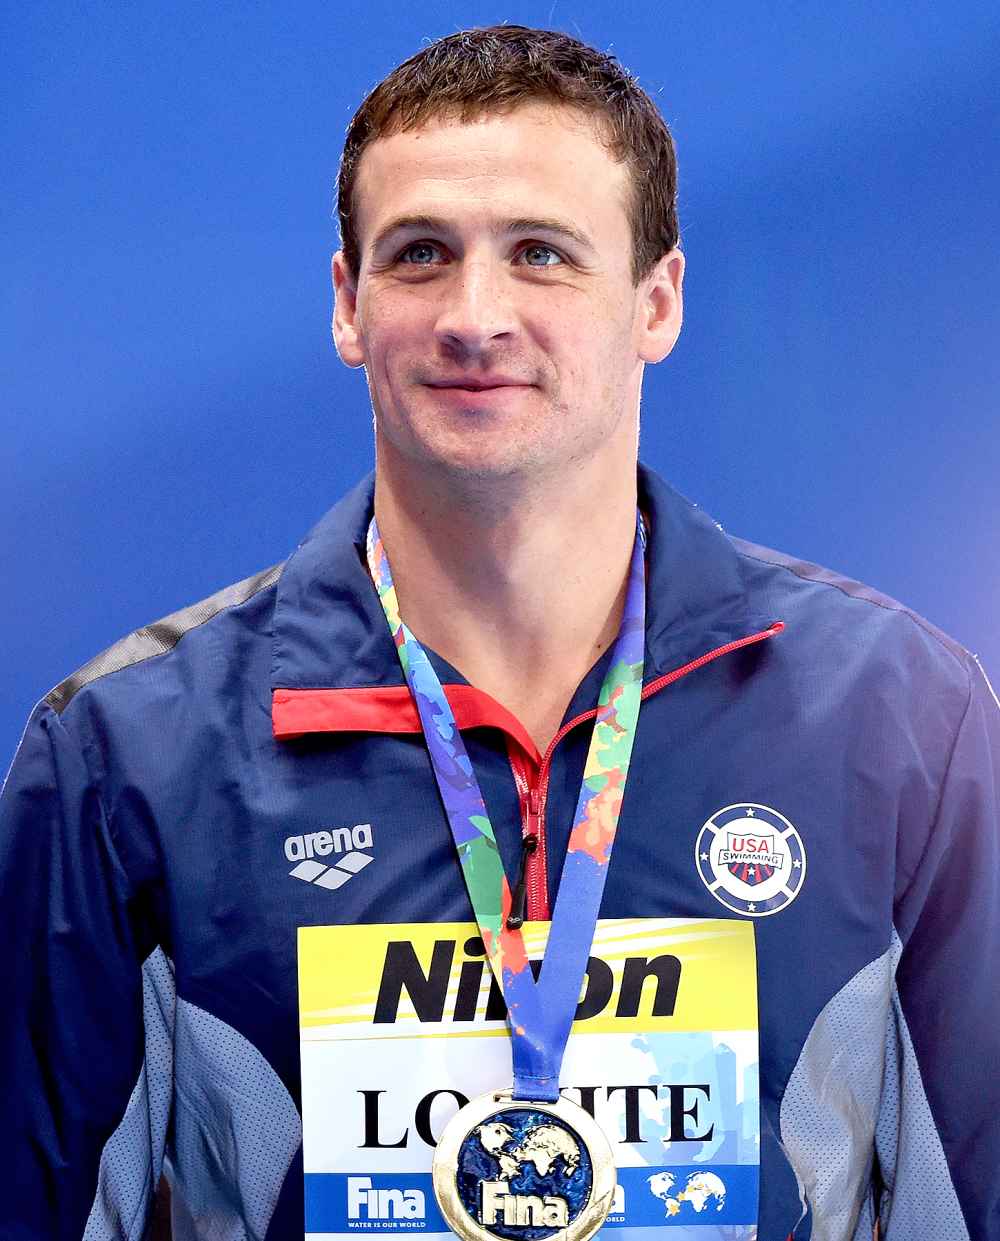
(751, 859)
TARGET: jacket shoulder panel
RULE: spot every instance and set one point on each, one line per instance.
(159, 637)
(807, 572)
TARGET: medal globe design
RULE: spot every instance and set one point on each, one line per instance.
(523, 1171)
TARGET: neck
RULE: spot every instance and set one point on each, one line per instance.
(504, 587)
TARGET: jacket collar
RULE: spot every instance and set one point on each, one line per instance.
(330, 632)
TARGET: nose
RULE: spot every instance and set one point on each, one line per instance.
(477, 310)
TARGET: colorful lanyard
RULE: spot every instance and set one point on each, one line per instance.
(540, 1013)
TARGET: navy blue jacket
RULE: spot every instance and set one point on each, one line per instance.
(149, 913)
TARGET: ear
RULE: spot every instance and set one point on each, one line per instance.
(346, 335)
(661, 308)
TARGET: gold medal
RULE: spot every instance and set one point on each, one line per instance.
(523, 1170)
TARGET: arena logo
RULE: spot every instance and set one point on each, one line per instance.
(348, 842)
(332, 840)
(751, 859)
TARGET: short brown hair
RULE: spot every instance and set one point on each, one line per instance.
(496, 68)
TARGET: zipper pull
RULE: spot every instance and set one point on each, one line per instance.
(515, 919)
(532, 814)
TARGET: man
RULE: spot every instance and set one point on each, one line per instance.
(509, 267)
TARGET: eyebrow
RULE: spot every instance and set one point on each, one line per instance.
(519, 224)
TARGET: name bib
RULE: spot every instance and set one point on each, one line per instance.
(402, 1025)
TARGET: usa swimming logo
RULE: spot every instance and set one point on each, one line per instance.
(751, 859)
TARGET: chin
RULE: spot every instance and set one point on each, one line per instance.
(482, 467)
(471, 449)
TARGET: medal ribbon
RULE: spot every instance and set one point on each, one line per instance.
(539, 1013)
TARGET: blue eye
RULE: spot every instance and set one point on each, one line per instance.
(541, 250)
(420, 253)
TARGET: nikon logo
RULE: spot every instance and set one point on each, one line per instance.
(427, 988)
(500, 1206)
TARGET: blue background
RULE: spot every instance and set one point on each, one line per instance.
(174, 416)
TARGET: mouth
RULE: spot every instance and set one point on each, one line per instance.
(477, 385)
(473, 396)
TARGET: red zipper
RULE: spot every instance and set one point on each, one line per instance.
(532, 821)
(534, 794)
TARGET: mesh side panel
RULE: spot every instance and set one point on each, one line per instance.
(920, 1198)
(844, 1097)
(831, 1102)
(133, 1156)
(236, 1131)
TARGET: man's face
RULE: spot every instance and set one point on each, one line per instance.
(494, 310)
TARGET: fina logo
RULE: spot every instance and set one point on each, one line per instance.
(541, 1178)
(346, 841)
(541, 1146)
(751, 859)
(383, 1205)
(500, 1206)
